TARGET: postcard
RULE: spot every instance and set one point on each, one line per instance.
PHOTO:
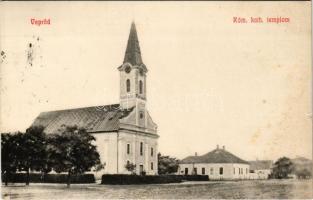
(156, 100)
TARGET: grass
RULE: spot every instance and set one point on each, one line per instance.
(260, 189)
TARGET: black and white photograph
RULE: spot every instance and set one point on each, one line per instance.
(156, 100)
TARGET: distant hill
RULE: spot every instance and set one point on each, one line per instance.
(301, 161)
(302, 166)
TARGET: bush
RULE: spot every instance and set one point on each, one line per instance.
(50, 178)
(195, 177)
(123, 179)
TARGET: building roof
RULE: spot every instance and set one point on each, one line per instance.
(133, 54)
(261, 164)
(94, 119)
(215, 156)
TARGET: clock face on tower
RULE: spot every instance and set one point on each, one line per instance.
(127, 69)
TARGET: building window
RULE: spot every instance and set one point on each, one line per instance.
(128, 149)
(203, 170)
(221, 170)
(140, 87)
(234, 170)
(127, 85)
(152, 166)
(151, 151)
(186, 171)
(141, 148)
(141, 115)
(211, 171)
(246, 170)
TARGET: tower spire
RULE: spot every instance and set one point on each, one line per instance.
(133, 54)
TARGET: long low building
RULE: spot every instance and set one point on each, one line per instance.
(260, 169)
(218, 164)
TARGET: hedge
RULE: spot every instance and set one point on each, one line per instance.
(49, 178)
(195, 177)
(124, 179)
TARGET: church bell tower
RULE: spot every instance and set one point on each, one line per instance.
(133, 76)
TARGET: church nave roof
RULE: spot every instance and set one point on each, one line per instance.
(94, 119)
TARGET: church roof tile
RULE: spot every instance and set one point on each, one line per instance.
(94, 119)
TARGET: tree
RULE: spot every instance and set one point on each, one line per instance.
(167, 165)
(24, 151)
(282, 168)
(131, 167)
(303, 173)
(32, 151)
(8, 157)
(72, 151)
(99, 167)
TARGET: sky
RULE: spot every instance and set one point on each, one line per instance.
(210, 81)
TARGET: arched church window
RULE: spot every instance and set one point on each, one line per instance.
(127, 85)
(140, 87)
(128, 148)
(141, 148)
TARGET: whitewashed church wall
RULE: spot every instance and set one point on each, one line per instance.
(109, 153)
(134, 156)
(107, 148)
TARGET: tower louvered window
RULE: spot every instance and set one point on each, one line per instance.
(140, 87)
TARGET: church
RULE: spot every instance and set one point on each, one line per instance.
(124, 132)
